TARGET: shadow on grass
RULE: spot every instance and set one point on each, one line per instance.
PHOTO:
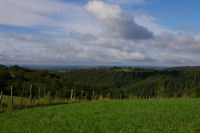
(5, 107)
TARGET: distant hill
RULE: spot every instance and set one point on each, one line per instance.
(191, 68)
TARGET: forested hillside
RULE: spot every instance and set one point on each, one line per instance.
(129, 82)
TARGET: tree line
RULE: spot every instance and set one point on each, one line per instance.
(103, 82)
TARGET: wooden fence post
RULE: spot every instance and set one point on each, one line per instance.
(44, 94)
(48, 95)
(86, 96)
(58, 94)
(71, 94)
(108, 95)
(22, 98)
(82, 95)
(74, 95)
(34, 99)
(1, 96)
(11, 93)
(30, 94)
(39, 95)
(93, 95)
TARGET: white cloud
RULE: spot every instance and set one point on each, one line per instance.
(116, 22)
(63, 16)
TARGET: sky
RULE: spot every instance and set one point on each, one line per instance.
(100, 32)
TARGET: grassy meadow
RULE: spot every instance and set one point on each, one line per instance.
(125, 116)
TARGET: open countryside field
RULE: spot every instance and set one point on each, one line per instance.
(140, 116)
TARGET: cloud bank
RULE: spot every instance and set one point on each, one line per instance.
(164, 50)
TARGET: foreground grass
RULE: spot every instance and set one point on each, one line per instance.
(139, 116)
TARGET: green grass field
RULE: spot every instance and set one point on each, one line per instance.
(133, 116)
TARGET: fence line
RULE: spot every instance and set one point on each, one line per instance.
(55, 97)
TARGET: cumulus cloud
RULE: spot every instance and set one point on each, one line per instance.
(116, 22)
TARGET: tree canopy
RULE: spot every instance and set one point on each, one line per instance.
(132, 82)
